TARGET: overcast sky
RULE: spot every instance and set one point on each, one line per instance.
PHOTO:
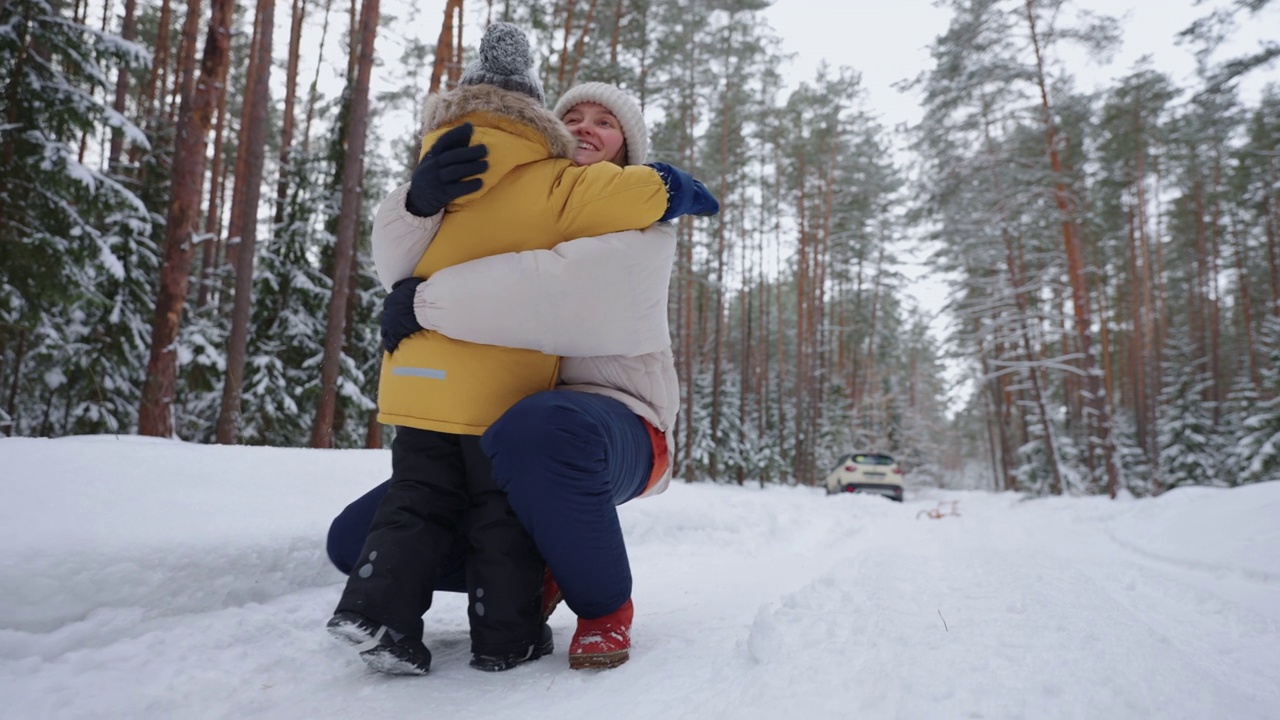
(888, 42)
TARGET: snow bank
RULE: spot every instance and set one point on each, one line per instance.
(150, 579)
(1235, 531)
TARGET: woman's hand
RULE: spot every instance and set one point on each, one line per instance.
(398, 319)
(685, 195)
(438, 179)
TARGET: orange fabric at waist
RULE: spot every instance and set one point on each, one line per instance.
(661, 457)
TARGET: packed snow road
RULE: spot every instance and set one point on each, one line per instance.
(146, 579)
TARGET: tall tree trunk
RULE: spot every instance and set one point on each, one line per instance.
(159, 62)
(579, 47)
(717, 360)
(1215, 302)
(348, 225)
(1246, 303)
(448, 60)
(569, 7)
(614, 38)
(1075, 263)
(1273, 234)
(253, 139)
(155, 412)
(290, 103)
(313, 94)
(802, 356)
(1148, 349)
(11, 405)
(212, 242)
(128, 32)
(1138, 345)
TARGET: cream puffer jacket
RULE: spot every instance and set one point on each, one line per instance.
(598, 302)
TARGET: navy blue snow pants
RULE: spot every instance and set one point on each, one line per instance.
(565, 459)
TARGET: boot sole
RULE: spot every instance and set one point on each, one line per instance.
(599, 661)
(380, 658)
(495, 665)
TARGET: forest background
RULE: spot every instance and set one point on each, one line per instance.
(185, 197)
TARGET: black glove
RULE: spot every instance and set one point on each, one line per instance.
(685, 195)
(398, 320)
(438, 179)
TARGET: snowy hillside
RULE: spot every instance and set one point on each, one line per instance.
(148, 579)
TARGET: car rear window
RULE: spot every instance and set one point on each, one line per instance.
(873, 459)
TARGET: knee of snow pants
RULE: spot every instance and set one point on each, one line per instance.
(566, 459)
(349, 529)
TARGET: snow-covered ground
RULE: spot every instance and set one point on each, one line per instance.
(154, 579)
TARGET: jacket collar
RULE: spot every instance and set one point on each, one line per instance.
(447, 108)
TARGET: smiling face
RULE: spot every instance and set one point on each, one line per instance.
(598, 132)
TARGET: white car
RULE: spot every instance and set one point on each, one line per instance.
(867, 473)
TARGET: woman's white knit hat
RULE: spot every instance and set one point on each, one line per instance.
(621, 105)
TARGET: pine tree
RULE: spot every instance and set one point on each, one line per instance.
(75, 253)
(1188, 452)
(1257, 452)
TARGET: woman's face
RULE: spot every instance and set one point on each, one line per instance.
(598, 132)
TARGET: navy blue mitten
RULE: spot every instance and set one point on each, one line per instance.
(438, 179)
(398, 320)
(685, 195)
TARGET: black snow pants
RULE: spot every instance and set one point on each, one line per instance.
(441, 490)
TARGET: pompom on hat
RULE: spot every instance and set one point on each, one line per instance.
(621, 105)
(506, 61)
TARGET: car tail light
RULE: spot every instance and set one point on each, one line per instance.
(897, 470)
(849, 468)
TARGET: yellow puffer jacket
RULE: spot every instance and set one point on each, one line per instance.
(533, 198)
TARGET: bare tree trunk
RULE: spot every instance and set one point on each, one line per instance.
(799, 464)
(373, 431)
(1138, 344)
(348, 225)
(1273, 235)
(19, 354)
(159, 63)
(253, 141)
(1148, 347)
(290, 103)
(1075, 263)
(717, 360)
(1246, 303)
(614, 39)
(448, 60)
(313, 96)
(128, 32)
(579, 48)
(1215, 301)
(186, 48)
(212, 241)
(569, 7)
(155, 412)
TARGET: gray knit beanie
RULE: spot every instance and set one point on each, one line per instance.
(505, 61)
(621, 105)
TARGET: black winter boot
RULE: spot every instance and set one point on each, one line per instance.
(381, 648)
(498, 663)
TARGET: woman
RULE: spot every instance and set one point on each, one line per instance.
(568, 456)
(443, 393)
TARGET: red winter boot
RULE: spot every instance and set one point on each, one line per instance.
(551, 596)
(604, 642)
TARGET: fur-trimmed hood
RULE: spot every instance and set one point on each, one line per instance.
(449, 107)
